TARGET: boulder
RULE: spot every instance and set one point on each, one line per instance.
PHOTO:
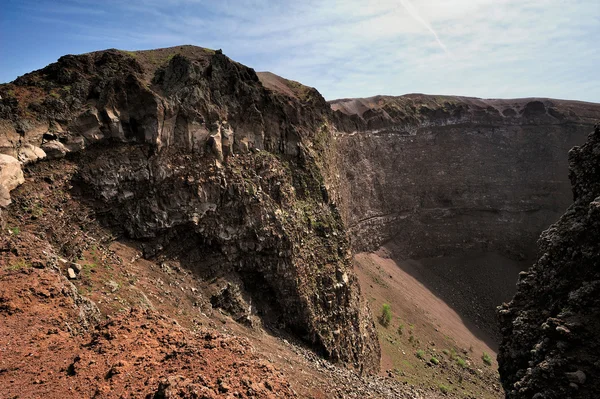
(11, 175)
(54, 149)
(29, 153)
(4, 196)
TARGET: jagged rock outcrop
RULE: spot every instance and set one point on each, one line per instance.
(443, 174)
(551, 346)
(186, 151)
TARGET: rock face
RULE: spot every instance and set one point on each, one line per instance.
(186, 151)
(551, 347)
(253, 182)
(11, 176)
(441, 174)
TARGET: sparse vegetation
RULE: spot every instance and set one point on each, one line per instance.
(434, 360)
(420, 354)
(386, 315)
(129, 53)
(461, 362)
(19, 264)
(444, 389)
(401, 329)
(87, 268)
(36, 211)
(487, 359)
(14, 230)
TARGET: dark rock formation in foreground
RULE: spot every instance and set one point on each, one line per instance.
(551, 329)
(185, 151)
(441, 175)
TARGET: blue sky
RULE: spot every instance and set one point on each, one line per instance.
(350, 48)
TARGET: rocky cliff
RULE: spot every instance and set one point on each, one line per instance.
(186, 152)
(441, 174)
(255, 184)
(550, 347)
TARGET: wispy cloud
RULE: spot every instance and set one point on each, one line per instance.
(411, 9)
(497, 48)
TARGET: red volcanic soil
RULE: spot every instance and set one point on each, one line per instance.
(45, 351)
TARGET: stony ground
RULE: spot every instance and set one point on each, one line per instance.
(84, 315)
(138, 353)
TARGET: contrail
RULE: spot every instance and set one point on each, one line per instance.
(412, 10)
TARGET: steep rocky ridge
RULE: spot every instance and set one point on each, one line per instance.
(441, 175)
(184, 150)
(550, 328)
(251, 182)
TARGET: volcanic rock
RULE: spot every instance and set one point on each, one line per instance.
(550, 329)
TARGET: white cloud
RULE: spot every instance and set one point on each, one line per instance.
(356, 48)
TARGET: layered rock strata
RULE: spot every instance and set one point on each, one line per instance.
(441, 174)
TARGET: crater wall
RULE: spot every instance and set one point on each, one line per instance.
(440, 175)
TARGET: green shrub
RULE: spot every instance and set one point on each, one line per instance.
(444, 389)
(420, 354)
(401, 329)
(487, 359)
(461, 362)
(19, 264)
(434, 360)
(386, 315)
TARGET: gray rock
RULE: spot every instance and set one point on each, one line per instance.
(71, 274)
(77, 267)
(4, 196)
(577, 377)
(113, 285)
(29, 153)
(54, 149)
(11, 175)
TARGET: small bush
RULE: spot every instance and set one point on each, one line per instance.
(487, 359)
(19, 264)
(401, 329)
(434, 360)
(411, 339)
(14, 230)
(444, 389)
(420, 354)
(461, 362)
(386, 315)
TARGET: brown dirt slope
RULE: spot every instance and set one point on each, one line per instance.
(426, 343)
